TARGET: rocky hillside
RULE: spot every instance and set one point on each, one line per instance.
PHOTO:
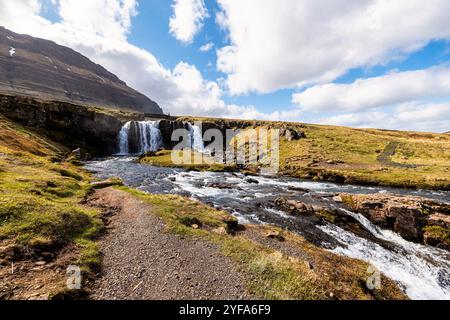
(43, 69)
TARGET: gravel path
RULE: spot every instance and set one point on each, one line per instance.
(141, 261)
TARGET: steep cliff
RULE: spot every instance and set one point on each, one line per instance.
(43, 69)
(72, 125)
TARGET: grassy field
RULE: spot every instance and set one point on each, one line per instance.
(40, 196)
(388, 158)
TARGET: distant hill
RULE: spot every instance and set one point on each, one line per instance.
(46, 70)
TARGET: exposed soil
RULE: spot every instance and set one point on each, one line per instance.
(142, 261)
(35, 280)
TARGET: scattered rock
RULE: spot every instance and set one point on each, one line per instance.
(298, 189)
(293, 207)
(252, 181)
(338, 199)
(273, 234)
(221, 230)
(308, 265)
(291, 134)
(223, 186)
(335, 162)
(107, 183)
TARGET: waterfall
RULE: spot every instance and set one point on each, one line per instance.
(195, 133)
(123, 138)
(139, 137)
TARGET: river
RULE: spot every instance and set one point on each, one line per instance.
(423, 271)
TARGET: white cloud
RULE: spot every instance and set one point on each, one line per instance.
(431, 117)
(393, 88)
(207, 47)
(179, 91)
(276, 45)
(187, 19)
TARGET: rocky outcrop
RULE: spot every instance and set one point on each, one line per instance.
(42, 69)
(291, 134)
(320, 213)
(72, 125)
(168, 127)
(414, 218)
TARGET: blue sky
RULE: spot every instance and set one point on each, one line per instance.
(326, 62)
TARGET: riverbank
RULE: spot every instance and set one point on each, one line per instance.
(48, 222)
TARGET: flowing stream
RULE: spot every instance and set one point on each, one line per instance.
(423, 271)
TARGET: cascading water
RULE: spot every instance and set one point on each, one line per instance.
(140, 137)
(423, 271)
(195, 133)
(123, 139)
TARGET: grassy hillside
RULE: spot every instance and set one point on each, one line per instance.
(361, 156)
(40, 196)
(391, 158)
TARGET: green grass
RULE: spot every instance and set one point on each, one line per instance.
(195, 162)
(437, 233)
(40, 208)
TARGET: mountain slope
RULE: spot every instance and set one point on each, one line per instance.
(43, 69)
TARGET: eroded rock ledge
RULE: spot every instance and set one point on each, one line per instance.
(414, 218)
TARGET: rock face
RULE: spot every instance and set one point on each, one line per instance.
(42, 69)
(72, 125)
(168, 127)
(414, 218)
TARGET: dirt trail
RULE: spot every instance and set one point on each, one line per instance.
(142, 261)
(385, 157)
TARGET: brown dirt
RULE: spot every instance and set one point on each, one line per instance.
(35, 280)
(143, 262)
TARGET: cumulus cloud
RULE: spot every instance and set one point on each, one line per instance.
(179, 91)
(299, 42)
(207, 47)
(187, 19)
(393, 88)
(431, 117)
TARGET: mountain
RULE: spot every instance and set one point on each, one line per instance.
(43, 69)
